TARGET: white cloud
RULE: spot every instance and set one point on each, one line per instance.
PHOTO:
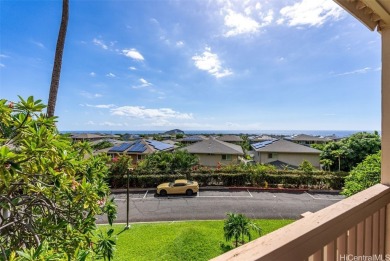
(240, 24)
(210, 62)
(142, 113)
(358, 71)
(90, 95)
(2, 65)
(92, 74)
(267, 18)
(133, 54)
(100, 43)
(110, 124)
(179, 43)
(90, 123)
(132, 68)
(39, 44)
(309, 12)
(3, 56)
(144, 83)
(111, 75)
(101, 106)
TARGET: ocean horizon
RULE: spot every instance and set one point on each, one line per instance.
(337, 133)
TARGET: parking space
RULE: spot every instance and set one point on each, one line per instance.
(256, 195)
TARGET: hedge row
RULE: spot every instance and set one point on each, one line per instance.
(318, 180)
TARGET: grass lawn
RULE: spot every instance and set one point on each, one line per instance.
(193, 240)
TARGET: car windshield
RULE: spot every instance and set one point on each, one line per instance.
(171, 184)
(189, 182)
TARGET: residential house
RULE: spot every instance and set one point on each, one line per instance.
(212, 152)
(192, 139)
(307, 140)
(280, 153)
(87, 137)
(139, 149)
(235, 139)
(354, 228)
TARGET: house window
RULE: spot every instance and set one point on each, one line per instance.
(139, 157)
(272, 155)
(226, 157)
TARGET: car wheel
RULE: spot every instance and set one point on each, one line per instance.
(163, 192)
(189, 192)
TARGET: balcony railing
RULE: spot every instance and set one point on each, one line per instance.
(353, 227)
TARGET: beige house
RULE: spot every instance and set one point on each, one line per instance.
(235, 139)
(283, 152)
(358, 227)
(138, 149)
(305, 139)
(212, 152)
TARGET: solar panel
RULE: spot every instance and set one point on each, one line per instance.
(159, 145)
(137, 147)
(120, 148)
(193, 138)
(262, 144)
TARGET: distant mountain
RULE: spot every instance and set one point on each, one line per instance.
(174, 132)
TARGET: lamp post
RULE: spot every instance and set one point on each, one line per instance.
(127, 199)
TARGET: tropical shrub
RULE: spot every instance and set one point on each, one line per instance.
(50, 191)
(364, 175)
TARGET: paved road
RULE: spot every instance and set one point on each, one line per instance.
(146, 206)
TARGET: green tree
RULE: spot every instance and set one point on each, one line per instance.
(349, 152)
(50, 191)
(326, 163)
(238, 226)
(306, 167)
(364, 175)
(55, 77)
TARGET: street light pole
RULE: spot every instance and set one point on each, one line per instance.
(127, 199)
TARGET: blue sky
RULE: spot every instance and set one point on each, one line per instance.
(195, 65)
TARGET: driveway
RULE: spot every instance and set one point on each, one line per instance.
(145, 206)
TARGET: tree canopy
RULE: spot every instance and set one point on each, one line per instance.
(364, 175)
(50, 191)
(348, 152)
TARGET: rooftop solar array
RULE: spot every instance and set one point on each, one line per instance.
(120, 148)
(159, 145)
(262, 144)
(137, 147)
(192, 138)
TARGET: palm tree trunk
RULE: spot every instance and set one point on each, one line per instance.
(55, 77)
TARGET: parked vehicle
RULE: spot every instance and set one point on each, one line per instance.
(179, 186)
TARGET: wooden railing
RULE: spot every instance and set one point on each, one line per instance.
(353, 227)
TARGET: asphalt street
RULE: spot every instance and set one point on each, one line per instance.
(145, 206)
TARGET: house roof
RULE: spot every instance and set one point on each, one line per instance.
(305, 137)
(193, 138)
(281, 165)
(87, 136)
(214, 146)
(282, 145)
(230, 138)
(141, 146)
(372, 13)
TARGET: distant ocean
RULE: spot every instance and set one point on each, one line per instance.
(337, 133)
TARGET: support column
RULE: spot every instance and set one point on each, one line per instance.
(385, 166)
(385, 161)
